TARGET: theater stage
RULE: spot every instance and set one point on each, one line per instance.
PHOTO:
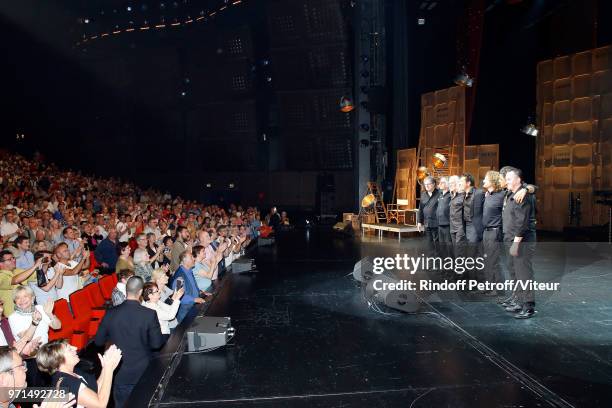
(306, 338)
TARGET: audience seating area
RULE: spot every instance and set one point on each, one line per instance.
(88, 306)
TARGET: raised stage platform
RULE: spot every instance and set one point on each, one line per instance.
(306, 337)
(395, 228)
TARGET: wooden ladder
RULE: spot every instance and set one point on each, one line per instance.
(379, 207)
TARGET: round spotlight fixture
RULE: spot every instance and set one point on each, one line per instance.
(346, 104)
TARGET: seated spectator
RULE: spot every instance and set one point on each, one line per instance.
(48, 280)
(59, 358)
(165, 313)
(184, 278)
(75, 246)
(27, 345)
(201, 271)
(13, 376)
(10, 277)
(167, 244)
(160, 278)
(24, 258)
(124, 261)
(107, 253)
(9, 230)
(73, 270)
(180, 246)
(25, 315)
(142, 264)
(118, 294)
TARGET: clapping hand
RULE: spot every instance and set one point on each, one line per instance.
(48, 307)
(112, 357)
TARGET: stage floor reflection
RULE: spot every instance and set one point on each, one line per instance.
(306, 337)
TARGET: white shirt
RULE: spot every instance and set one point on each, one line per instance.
(41, 295)
(71, 283)
(126, 236)
(20, 322)
(8, 228)
(165, 313)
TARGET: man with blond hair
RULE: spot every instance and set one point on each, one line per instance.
(492, 235)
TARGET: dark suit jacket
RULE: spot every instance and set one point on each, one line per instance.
(427, 209)
(135, 330)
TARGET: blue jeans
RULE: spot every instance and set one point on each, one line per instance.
(121, 393)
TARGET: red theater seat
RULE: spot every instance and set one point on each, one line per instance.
(107, 284)
(83, 313)
(67, 331)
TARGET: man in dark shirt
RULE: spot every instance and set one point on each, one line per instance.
(135, 330)
(492, 235)
(428, 206)
(472, 209)
(457, 229)
(519, 238)
(106, 252)
(443, 211)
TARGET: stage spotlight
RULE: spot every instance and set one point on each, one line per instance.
(464, 79)
(421, 21)
(232, 185)
(368, 201)
(422, 172)
(346, 104)
(208, 185)
(129, 8)
(362, 271)
(439, 160)
(183, 93)
(530, 129)
(364, 58)
(86, 21)
(365, 127)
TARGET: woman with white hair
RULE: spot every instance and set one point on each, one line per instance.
(26, 314)
(142, 264)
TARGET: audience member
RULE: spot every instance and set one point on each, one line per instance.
(183, 278)
(165, 313)
(136, 331)
(118, 295)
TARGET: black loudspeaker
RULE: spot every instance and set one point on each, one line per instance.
(363, 270)
(403, 300)
(378, 99)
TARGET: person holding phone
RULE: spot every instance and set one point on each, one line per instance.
(183, 278)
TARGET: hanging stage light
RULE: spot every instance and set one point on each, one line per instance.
(422, 172)
(530, 129)
(346, 104)
(464, 79)
(368, 201)
(439, 160)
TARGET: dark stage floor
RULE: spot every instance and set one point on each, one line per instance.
(307, 338)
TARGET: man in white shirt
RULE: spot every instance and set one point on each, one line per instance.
(9, 230)
(75, 246)
(123, 228)
(152, 227)
(72, 270)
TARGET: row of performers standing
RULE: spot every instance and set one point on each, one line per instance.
(460, 219)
